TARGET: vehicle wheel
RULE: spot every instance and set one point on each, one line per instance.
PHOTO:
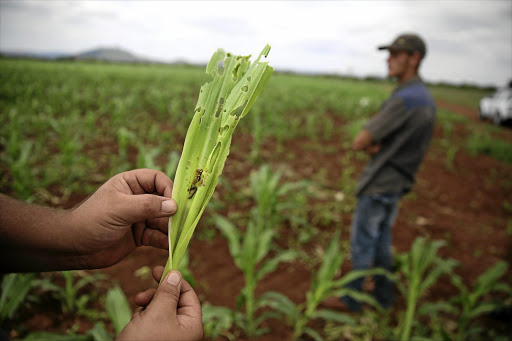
(496, 118)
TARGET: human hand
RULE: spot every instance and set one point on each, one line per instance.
(373, 149)
(171, 312)
(129, 210)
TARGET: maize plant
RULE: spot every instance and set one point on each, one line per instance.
(323, 285)
(420, 269)
(222, 102)
(471, 301)
(249, 250)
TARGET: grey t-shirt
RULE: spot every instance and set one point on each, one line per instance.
(403, 126)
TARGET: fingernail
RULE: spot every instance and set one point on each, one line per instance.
(169, 206)
(174, 278)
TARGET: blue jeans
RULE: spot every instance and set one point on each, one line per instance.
(370, 241)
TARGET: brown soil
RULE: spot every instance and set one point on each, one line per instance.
(465, 205)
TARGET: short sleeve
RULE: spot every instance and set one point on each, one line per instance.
(391, 116)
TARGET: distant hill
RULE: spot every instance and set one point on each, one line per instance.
(107, 54)
(110, 54)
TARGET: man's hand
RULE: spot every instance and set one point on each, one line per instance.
(131, 209)
(373, 149)
(364, 141)
(171, 312)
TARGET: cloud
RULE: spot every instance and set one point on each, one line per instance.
(467, 40)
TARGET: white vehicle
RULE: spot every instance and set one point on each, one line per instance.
(498, 106)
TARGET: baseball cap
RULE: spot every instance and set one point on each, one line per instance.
(407, 42)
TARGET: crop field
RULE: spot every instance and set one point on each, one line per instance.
(66, 127)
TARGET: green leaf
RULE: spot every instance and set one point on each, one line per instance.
(331, 262)
(313, 333)
(216, 320)
(264, 243)
(14, 290)
(432, 309)
(221, 104)
(118, 308)
(482, 309)
(231, 233)
(99, 332)
(249, 249)
(441, 267)
(358, 296)
(503, 287)
(485, 282)
(355, 274)
(281, 303)
(265, 316)
(271, 264)
(332, 315)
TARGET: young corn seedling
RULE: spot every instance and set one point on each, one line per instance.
(222, 102)
(118, 308)
(471, 302)
(277, 201)
(323, 285)
(73, 297)
(458, 318)
(249, 251)
(420, 269)
(217, 321)
(14, 291)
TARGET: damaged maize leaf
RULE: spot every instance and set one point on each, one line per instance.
(221, 104)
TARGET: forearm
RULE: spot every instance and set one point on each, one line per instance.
(363, 140)
(34, 238)
(129, 210)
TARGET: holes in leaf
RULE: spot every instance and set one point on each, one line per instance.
(221, 68)
(235, 72)
(238, 111)
(200, 110)
(220, 107)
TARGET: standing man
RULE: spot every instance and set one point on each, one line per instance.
(396, 138)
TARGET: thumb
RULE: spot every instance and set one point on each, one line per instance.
(147, 206)
(167, 296)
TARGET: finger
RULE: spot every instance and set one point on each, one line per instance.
(144, 298)
(163, 185)
(165, 301)
(148, 181)
(157, 273)
(161, 224)
(137, 312)
(152, 233)
(155, 238)
(138, 208)
(189, 304)
(138, 231)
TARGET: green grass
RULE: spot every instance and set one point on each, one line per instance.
(65, 126)
(483, 143)
(465, 96)
(482, 139)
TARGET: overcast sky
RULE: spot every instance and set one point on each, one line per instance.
(467, 41)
